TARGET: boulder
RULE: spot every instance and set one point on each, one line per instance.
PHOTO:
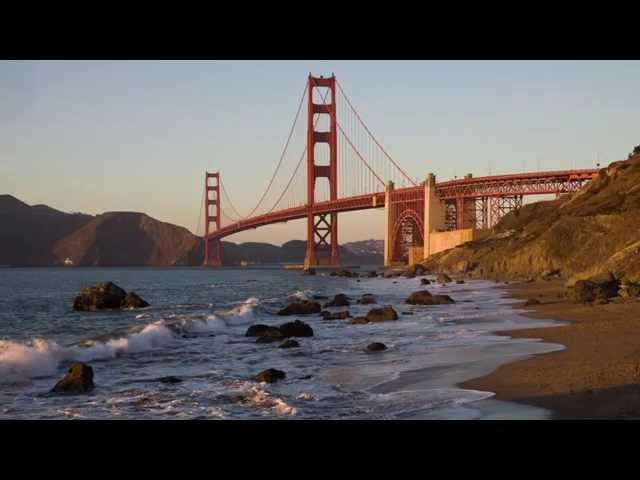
(296, 329)
(367, 299)
(270, 375)
(326, 315)
(259, 330)
(340, 300)
(629, 291)
(359, 321)
(78, 379)
(425, 281)
(376, 347)
(532, 301)
(133, 300)
(601, 288)
(423, 297)
(270, 337)
(382, 314)
(301, 307)
(290, 343)
(443, 278)
(103, 296)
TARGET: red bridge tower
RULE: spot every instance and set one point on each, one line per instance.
(322, 229)
(212, 248)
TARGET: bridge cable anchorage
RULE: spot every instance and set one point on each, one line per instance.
(360, 156)
(371, 134)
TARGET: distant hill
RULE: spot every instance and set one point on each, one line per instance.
(39, 235)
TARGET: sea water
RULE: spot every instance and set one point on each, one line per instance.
(195, 330)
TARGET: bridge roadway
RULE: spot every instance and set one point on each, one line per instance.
(533, 183)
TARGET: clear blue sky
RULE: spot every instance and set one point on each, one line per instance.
(138, 135)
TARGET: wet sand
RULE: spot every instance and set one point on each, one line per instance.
(597, 376)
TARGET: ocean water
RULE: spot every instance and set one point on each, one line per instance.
(194, 330)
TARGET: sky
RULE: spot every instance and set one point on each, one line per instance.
(98, 136)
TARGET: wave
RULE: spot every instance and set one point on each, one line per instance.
(40, 357)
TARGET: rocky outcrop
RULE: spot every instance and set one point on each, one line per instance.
(326, 315)
(296, 329)
(383, 314)
(78, 379)
(376, 347)
(301, 307)
(425, 281)
(423, 297)
(105, 296)
(290, 343)
(443, 278)
(367, 299)
(270, 336)
(340, 300)
(270, 375)
(259, 330)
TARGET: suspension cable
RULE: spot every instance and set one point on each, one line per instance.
(358, 153)
(371, 134)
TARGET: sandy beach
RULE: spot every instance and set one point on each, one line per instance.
(597, 376)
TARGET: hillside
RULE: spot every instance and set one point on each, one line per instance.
(592, 231)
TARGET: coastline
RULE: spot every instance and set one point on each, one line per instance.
(596, 376)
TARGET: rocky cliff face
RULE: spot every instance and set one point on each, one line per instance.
(592, 231)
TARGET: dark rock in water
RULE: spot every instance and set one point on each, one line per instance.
(459, 281)
(382, 314)
(372, 274)
(290, 343)
(423, 297)
(309, 271)
(425, 281)
(170, 380)
(259, 329)
(340, 300)
(133, 300)
(333, 274)
(78, 379)
(532, 301)
(269, 338)
(296, 329)
(359, 321)
(367, 299)
(320, 297)
(103, 296)
(407, 313)
(270, 375)
(300, 307)
(443, 278)
(376, 347)
(326, 315)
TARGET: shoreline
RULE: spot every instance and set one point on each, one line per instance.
(596, 375)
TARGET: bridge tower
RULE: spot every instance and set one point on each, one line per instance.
(212, 248)
(322, 230)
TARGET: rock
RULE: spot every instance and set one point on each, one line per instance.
(359, 321)
(390, 274)
(326, 315)
(309, 271)
(270, 337)
(443, 278)
(550, 274)
(333, 274)
(320, 297)
(372, 274)
(133, 300)
(367, 299)
(301, 307)
(425, 281)
(423, 297)
(296, 329)
(415, 270)
(290, 343)
(376, 347)
(103, 296)
(532, 301)
(259, 330)
(382, 314)
(340, 300)
(629, 291)
(78, 379)
(459, 282)
(270, 375)
(346, 274)
(170, 380)
(589, 290)
(464, 266)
